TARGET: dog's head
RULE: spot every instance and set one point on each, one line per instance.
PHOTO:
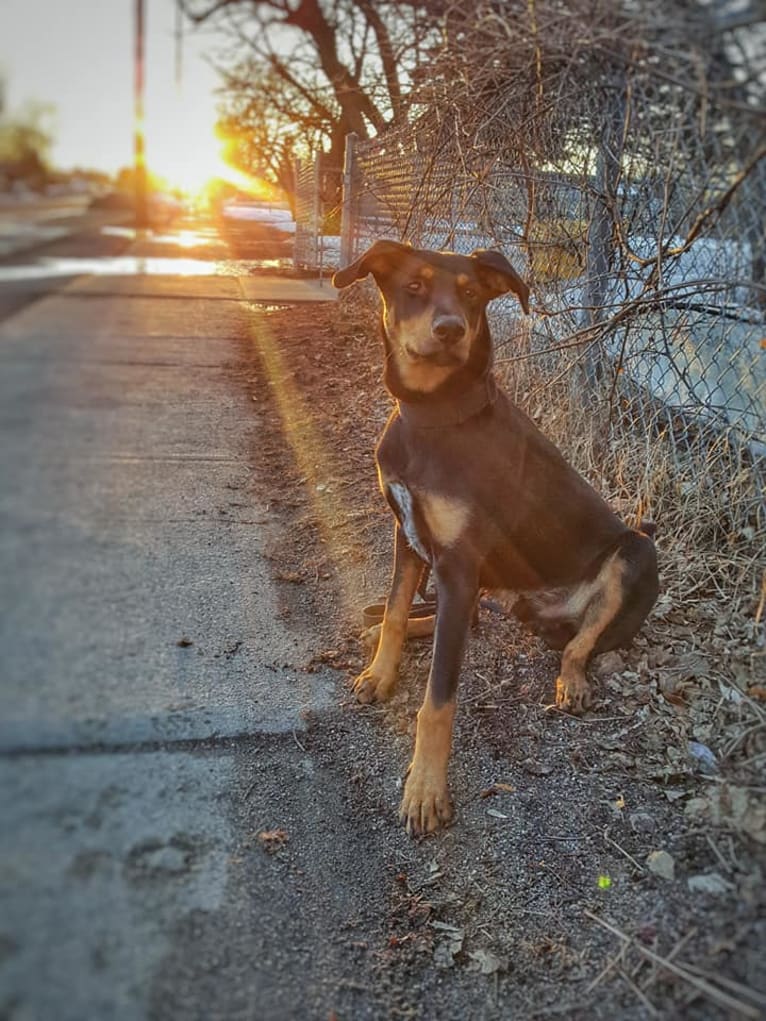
(434, 305)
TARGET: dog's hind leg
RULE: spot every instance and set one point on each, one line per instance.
(377, 681)
(572, 688)
(626, 588)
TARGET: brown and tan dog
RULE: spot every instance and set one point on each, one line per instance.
(485, 500)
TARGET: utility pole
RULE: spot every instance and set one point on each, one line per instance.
(139, 148)
(179, 38)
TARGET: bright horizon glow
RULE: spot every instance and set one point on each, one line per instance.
(78, 56)
(192, 163)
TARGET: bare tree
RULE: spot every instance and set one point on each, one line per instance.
(334, 67)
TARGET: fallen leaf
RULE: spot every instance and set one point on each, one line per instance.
(741, 808)
(294, 577)
(488, 963)
(675, 699)
(272, 840)
(537, 768)
(609, 663)
(444, 954)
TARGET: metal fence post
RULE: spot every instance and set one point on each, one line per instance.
(317, 214)
(600, 241)
(347, 211)
(298, 214)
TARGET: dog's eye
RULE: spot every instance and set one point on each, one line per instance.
(415, 286)
(470, 294)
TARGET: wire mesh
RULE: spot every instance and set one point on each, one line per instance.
(636, 209)
(307, 226)
(317, 214)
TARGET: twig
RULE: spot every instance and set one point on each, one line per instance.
(730, 983)
(716, 851)
(606, 969)
(640, 994)
(295, 738)
(622, 850)
(716, 995)
(762, 600)
(652, 978)
(740, 738)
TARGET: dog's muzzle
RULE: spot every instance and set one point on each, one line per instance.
(448, 330)
(441, 346)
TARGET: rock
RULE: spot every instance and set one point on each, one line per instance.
(711, 882)
(642, 822)
(703, 757)
(661, 864)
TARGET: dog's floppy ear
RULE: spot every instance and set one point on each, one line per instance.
(499, 275)
(375, 260)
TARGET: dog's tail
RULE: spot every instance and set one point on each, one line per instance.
(648, 528)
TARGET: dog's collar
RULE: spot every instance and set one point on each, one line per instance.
(442, 411)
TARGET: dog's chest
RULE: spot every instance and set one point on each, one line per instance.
(403, 504)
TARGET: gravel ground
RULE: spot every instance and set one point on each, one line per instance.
(604, 867)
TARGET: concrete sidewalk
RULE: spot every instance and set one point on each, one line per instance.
(128, 522)
(261, 288)
(140, 632)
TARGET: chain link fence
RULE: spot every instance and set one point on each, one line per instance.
(307, 253)
(317, 183)
(639, 219)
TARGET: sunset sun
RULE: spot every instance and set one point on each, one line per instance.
(192, 164)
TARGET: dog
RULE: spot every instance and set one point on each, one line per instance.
(486, 501)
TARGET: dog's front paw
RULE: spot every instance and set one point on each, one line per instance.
(374, 685)
(426, 804)
(573, 694)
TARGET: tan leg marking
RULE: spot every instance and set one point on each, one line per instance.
(377, 681)
(572, 688)
(426, 803)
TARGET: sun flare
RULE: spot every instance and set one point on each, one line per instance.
(193, 166)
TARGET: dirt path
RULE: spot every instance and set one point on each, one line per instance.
(508, 912)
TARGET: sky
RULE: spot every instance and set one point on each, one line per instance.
(78, 56)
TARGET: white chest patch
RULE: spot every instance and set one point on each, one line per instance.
(402, 497)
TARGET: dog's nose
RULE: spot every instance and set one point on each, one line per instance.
(448, 329)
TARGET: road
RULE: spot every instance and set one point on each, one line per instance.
(154, 704)
(46, 244)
